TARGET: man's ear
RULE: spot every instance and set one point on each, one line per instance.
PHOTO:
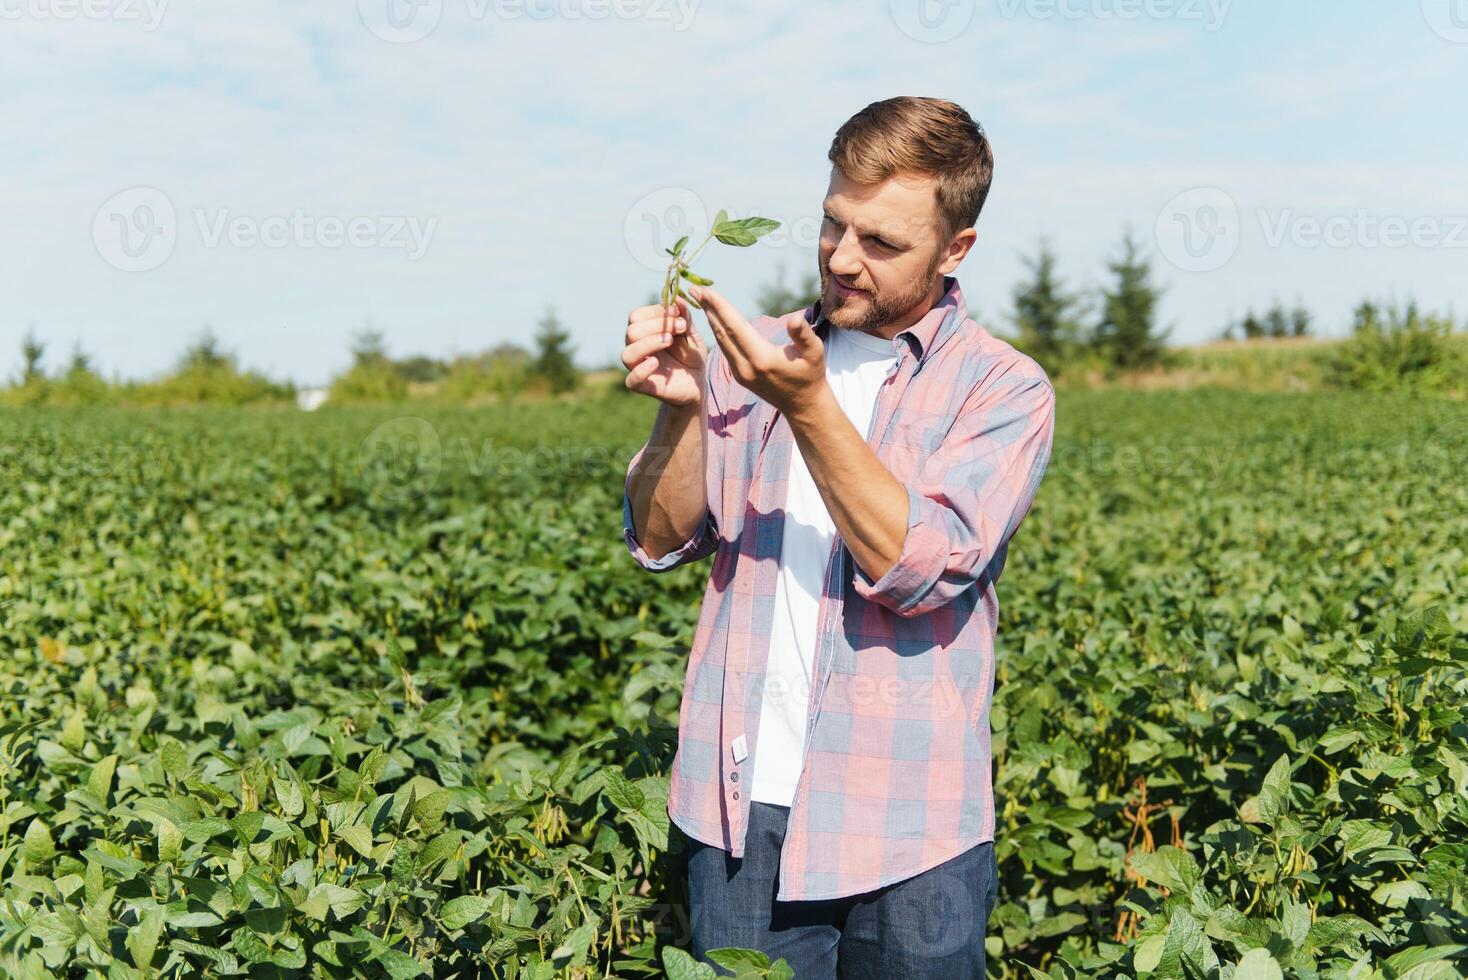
(958, 249)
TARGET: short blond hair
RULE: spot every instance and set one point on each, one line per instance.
(925, 137)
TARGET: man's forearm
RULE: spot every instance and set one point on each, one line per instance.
(866, 502)
(667, 489)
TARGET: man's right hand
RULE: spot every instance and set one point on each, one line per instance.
(664, 355)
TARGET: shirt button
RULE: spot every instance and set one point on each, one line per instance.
(736, 794)
(734, 777)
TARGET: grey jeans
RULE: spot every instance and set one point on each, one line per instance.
(930, 925)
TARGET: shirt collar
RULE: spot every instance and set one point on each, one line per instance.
(928, 332)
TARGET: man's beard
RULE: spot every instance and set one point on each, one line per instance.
(871, 312)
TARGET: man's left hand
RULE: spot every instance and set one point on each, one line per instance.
(790, 377)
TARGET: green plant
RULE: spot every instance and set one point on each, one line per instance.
(743, 232)
(257, 711)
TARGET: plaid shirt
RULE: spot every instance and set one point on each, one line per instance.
(897, 770)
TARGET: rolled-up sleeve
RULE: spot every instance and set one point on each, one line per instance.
(705, 539)
(969, 497)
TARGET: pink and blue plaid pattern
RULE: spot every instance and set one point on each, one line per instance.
(897, 774)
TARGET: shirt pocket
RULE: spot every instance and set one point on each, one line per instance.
(914, 436)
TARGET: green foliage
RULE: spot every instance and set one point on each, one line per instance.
(1400, 349)
(553, 362)
(1127, 333)
(271, 711)
(373, 378)
(1046, 315)
(741, 233)
(777, 299)
(204, 375)
(1276, 322)
(498, 374)
(31, 352)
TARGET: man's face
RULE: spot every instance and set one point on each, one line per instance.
(882, 241)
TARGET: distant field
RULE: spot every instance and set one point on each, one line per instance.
(1285, 364)
(353, 692)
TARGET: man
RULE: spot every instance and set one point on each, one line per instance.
(856, 470)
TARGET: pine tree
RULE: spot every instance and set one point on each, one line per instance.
(1300, 322)
(1127, 332)
(31, 351)
(553, 355)
(1044, 313)
(777, 299)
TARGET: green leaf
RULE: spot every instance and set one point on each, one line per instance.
(341, 901)
(170, 840)
(288, 794)
(1257, 964)
(100, 781)
(460, 912)
(572, 951)
(142, 939)
(680, 966)
(38, 847)
(745, 231)
(621, 791)
(359, 837)
(441, 848)
(1274, 797)
(678, 247)
(429, 810)
(741, 961)
(399, 965)
(1396, 894)
(1170, 867)
(370, 771)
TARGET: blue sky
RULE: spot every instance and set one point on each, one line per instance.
(288, 173)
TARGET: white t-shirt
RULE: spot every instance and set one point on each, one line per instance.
(856, 365)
